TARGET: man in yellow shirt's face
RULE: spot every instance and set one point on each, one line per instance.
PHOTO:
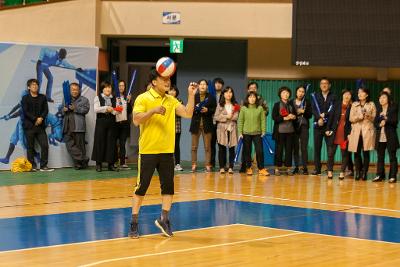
(162, 85)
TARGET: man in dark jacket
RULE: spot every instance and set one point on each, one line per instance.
(325, 101)
(35, 110)
(74, 128)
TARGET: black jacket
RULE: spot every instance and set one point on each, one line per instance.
(333, 121)
(390, 126)
(207, 117)
(278, 118)
(33, 108)
(307, 113)
(323, 106)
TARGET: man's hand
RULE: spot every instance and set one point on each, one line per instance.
(109, 109)
(39, 121)
(65, 109)
(322, 115)
(159, 110)
(71, 107)
(321, 122)
(204, 110)
(192, 89)
(128, 98)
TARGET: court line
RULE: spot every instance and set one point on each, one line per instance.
(345, 237)
(304, 201)
(114, 239)
(81, 200)
(189, 249)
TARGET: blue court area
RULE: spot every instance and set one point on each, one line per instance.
(48, 230)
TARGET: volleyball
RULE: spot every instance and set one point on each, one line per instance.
(165, 67)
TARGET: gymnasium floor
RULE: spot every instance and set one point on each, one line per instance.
(71, 218)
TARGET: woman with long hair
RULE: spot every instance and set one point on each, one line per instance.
(362, 136)
(226, 116)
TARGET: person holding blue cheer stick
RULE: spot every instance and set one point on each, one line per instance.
(322, 103)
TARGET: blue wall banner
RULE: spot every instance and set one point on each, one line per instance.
(52, 66)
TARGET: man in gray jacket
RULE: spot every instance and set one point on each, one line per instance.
(74, 128)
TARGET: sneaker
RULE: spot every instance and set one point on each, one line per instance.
(222, 171)
(46, 169)
(392, 180)
(305, 171)
(315, 172)
(178, 168)
(165, 227)
(378, 178)
(296, 170)
(277, 172)
(230, 171)
(34, 169)
(249, 171)
(125, 166)
(134, 230)
(194, 167)
(263, 172)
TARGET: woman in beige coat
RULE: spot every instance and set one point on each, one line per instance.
(362, 136)
(226, 116)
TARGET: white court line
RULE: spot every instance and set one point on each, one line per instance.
(187, 249)
(304, 201)
(346, 237)
(112, 239)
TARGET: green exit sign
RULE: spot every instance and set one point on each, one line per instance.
(175, 46)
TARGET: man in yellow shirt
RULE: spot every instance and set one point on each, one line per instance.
(154, 111)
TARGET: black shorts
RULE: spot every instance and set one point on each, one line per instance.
(147, 164)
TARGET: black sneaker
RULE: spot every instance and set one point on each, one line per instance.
(316, 172)
(165, 227)
(296, 170)
(46, 169)
(305, 171)
(134, 230)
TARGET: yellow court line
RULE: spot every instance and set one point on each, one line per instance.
(113, 239)
(187, 249)
(298, 200)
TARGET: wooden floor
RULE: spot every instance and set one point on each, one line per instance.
(234, 244)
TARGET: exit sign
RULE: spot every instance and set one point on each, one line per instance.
(176, 46)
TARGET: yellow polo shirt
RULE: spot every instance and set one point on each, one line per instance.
(157, 134)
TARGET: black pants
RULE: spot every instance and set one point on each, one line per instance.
(104, 145)
(300, 143)
(177, 153)
(248, 140)
(213, 146)
(76, 147)
(148, 163)
(346, 159)
(319, 135)
(222, 154)
(285, 143)
(39, 134)
(380, 169)
(362, 165)
(123, 133)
